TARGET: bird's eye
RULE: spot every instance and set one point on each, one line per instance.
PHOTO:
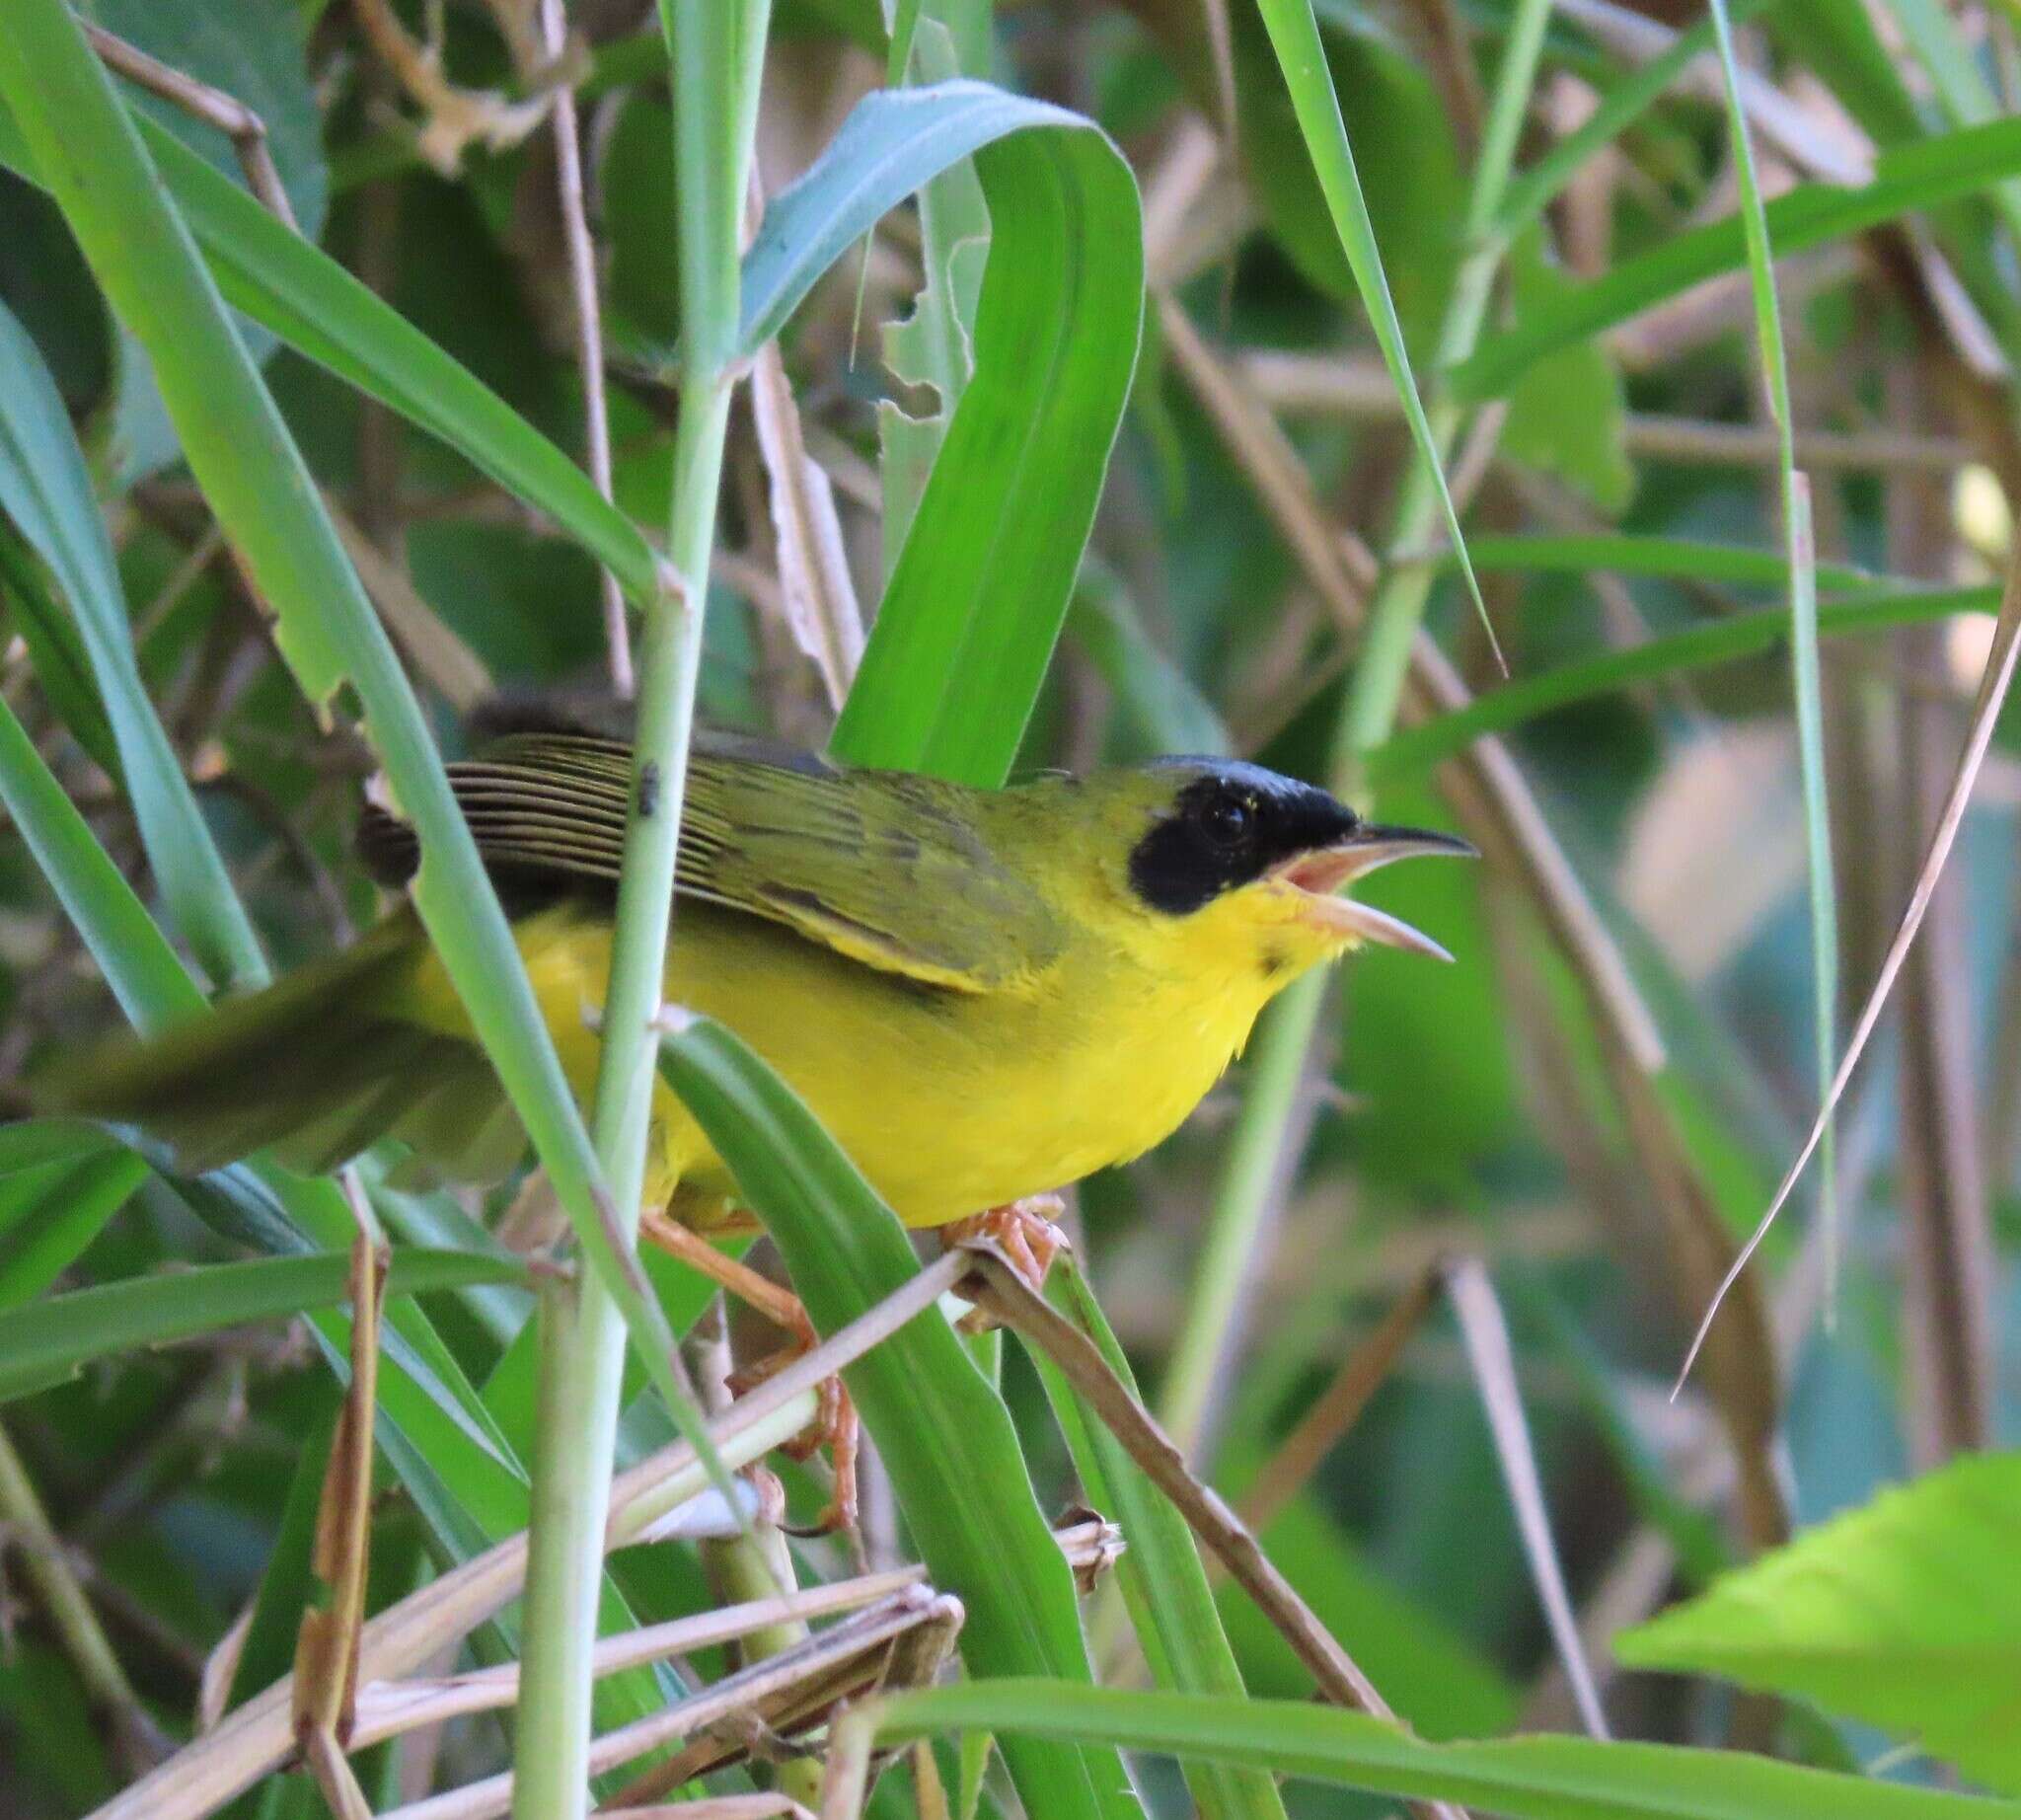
(1225, 821)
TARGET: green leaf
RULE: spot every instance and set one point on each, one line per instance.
(1171, 1606)
(976, 600)
(894, 142)
(1908, 177)
(1684, 559)
(47, 490)
(33, 1143)
(1295, 36)
(1905, 1613)
(52, 1339)
(49, 1215)
(287, 285)
(256, 57)
(1527, 1778)
(266, 501)
(1675, 655)
(1621, 105)
(140, 967)
(940, 1427)
(57, 654)
(1566, 413)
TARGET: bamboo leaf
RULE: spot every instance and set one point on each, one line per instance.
(1295, 36)
(1527, 1778)
(980, 589)
(48, 1340)
(47, 490)
(1918, 176)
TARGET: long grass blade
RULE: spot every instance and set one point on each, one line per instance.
(1799, 544)
(47, 490)
(1985, 714)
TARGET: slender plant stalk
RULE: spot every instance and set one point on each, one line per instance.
(718, 51)
(1277, 1054)
(68, 1608)
(1798, 543)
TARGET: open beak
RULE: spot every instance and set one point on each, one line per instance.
(1321, 876)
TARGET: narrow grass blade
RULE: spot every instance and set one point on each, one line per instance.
(1680, 559)
(1678, 653)
(1799, 544)
(942, 1431)
(35, 1143)
(289, 285)
(52, 1339)
(57, 654)
(1918, 175)
(47, 490)
(1529, 194)
(1295, 36)
(141, 968)
(1985, 715)
(1527, 1778)
(264, 499)
(49, 1215)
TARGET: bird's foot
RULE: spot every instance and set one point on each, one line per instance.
(835, 1425)
(1024, 1232)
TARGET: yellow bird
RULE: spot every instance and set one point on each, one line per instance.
(983, 994)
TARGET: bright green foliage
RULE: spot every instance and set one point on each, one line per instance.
(1904, 1613)
(1527, 1778)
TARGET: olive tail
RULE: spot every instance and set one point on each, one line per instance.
(316, 1067)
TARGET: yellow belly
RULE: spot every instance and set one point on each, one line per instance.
(948, 1101)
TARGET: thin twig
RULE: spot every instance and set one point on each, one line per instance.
(1494, 1372)
(997, 1288)
(805, 1681)
(229, 114)
(255, 1739)
(589, 340)
(25, 1526)
(1341, 1405)
(1358, 387)
(1985, 714)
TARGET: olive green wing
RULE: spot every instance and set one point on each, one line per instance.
(887, 868)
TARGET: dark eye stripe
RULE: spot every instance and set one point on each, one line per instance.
(1225, 831)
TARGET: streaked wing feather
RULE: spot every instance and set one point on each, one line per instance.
(869, 864)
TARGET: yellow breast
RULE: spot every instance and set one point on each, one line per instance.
(948, 1101)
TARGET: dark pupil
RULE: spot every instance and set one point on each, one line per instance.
(1227, 823)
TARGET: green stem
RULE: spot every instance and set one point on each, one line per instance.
(717, 48)
(1285, 1035)
(64, 1600)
